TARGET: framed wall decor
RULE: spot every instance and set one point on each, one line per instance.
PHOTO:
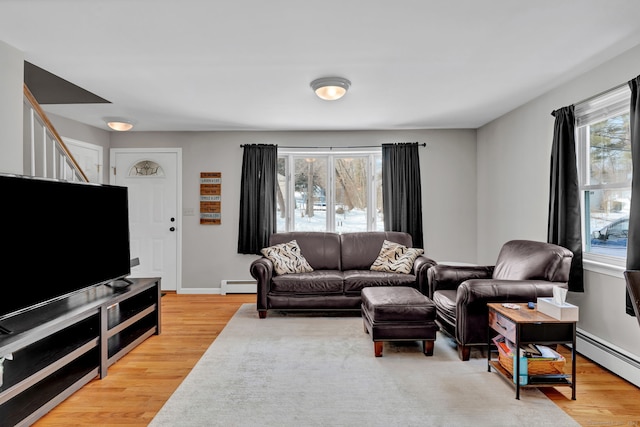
(210, 198)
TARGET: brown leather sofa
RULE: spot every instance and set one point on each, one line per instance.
(341, 269)
(524, 271)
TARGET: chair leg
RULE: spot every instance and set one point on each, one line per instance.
(377, 348)
(464, 352)
(428, 346)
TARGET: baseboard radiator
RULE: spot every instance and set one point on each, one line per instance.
(238, 286)
(607, 355)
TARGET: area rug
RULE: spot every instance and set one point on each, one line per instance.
(320, 370)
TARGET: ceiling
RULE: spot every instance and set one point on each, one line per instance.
(204, 65)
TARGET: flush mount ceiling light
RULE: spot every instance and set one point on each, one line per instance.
(119, 124)
(330, 88)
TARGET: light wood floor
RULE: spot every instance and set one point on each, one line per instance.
(137, 386)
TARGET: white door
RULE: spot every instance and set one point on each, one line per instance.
(88, 156)
(153, 179)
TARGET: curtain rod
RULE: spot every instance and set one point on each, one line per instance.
(602, 93)
(424, 144)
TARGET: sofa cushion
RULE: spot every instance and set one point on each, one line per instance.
(360, 249)
(287, 258)
(445, 302)
(396, 258)
(321, 249)
(315, 283)
(356, 280)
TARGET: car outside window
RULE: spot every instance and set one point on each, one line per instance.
(612, 239)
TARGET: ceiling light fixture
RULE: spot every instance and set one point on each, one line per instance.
(330, 88)
(119, 124)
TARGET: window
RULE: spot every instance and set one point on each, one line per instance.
(333, 190)
(605, 170)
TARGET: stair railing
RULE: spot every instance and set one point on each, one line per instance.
(45, 154)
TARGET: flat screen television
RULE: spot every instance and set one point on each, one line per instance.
(60, 237)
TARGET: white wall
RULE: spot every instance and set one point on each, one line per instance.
(84, 133)
(514, 154)
(210, 251)
(11, 78)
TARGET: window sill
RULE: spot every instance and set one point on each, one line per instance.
(614, 269)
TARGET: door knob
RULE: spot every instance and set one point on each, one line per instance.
(172, 229)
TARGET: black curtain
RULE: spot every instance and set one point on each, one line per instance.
(633, 242)
(564, 225)
(257, 197)
(401, 190)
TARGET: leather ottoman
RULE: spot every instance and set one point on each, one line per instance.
(398, 313)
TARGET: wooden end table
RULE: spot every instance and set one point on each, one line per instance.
(529, 326)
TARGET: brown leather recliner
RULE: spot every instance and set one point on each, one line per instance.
(524, 271)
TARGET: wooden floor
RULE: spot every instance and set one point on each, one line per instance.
(137, 386)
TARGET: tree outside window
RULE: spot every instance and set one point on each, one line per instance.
(329, 192)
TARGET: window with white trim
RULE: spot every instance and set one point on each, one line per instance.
(604, 165)
(330, 190)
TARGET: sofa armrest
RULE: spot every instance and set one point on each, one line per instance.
(449, 277)
(421, 266)
(262, 270)
(472, 314)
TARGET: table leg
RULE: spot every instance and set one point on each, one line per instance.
(516, 366)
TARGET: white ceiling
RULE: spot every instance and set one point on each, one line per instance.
(246, 64)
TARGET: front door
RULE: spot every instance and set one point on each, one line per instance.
(152, 177)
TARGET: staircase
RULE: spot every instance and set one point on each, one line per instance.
(45, 154)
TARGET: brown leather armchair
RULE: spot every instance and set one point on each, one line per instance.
(524, 271)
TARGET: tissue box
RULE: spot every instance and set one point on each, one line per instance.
(563, 311)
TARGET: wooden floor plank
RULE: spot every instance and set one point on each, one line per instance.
(139, 384)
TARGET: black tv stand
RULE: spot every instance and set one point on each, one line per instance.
(59, 347)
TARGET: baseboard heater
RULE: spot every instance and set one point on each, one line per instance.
(608, 356)
(238, 286)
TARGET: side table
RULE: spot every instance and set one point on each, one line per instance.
(529, 326)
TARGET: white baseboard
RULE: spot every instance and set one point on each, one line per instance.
(609, 356)
(238, 286)
(199, 291)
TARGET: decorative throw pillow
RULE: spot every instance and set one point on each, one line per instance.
(287, 258)
(396, 258)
